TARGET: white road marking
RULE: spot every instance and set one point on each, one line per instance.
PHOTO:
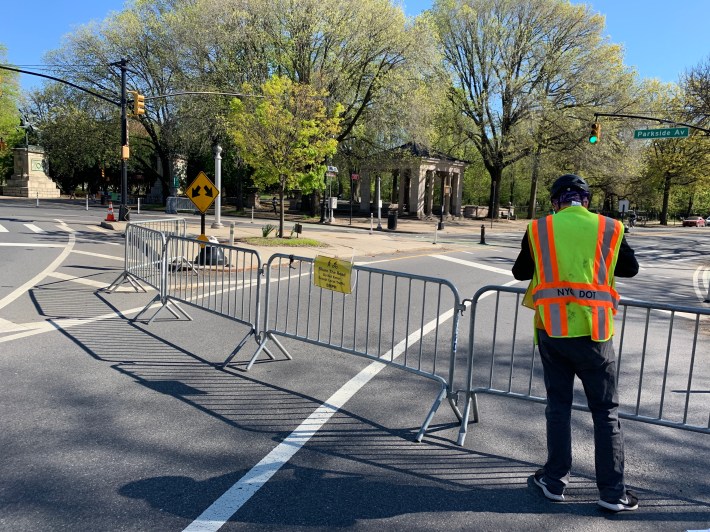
(34, 228)
(64, 227)
(219, 512)
(67, 323)
(99, 229)
(29, 245)
(8, 326)
(3, 230)
(701, 282)
(41, 275)
(474, 265)
(90, 282)
(99, 255)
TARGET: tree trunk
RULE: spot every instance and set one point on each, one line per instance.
(494, 200)
(282, 190)
(666, 198)
(532, 206)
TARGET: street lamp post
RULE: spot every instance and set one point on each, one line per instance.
(379, 204)
(441, 218)
(218, 184)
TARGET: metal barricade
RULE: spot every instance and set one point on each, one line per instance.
(174, 204)
(663, 370)
(405, 321)
(143, 262)
(215, 277)
(167, 226)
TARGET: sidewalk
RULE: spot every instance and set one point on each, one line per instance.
(345, 240)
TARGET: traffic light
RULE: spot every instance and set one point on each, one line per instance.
(138, 103)
(595, 133)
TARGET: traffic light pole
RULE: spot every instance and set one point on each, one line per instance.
(123, 209)
(663, 121)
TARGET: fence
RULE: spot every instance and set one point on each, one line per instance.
(406, 321)
(221, 279)
(410, 322)
(143, 252)
(175, 204)
(664, 374)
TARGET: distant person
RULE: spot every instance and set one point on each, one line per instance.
(274, 202)
(572, 258)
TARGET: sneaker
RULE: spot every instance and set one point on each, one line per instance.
(628, 502)
(539, 479)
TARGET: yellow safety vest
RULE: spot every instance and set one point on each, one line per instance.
(575, 253)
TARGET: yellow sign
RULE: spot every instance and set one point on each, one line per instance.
(202, 192)
(332, 274)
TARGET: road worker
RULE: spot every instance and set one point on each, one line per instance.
(572, 258)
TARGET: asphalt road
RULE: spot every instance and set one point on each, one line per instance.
(109, 424)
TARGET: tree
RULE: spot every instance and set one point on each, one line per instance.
(285, 136)
(9, 116)
(696, 86)
(510, 61)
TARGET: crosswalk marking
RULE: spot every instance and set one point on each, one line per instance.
(472, 264)
(99, 255)
(99, 229)
(34, 228)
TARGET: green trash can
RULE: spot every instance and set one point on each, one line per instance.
(392, 220)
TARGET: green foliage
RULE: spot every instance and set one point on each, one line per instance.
(9, 116)
(286, 242)
(267, 230)
(285, 135)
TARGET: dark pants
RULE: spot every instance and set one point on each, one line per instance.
(595, 365)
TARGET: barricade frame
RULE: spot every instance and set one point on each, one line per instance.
(176, 263)
(471, 404)
(158, 225)
(269, 333)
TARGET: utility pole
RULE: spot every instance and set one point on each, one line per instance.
(125, 153)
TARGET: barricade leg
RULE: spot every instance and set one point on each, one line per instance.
(167, 304)
(236, 349)
(471, 402)
(124, 277)
(262, 347)
(432, 411)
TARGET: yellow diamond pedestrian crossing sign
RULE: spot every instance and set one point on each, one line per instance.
(202, 192)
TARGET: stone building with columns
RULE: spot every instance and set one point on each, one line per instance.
(418, 176)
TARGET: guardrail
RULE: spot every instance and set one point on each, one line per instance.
(402, 320)
(663, 372)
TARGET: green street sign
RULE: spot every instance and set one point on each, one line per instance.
(663, 133)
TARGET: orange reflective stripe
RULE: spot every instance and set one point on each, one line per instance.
(598, 256)
(564, 323)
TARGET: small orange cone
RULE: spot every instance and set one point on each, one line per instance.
(109, 216)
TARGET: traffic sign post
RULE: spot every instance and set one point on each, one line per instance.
(202, 192)
(662, 133)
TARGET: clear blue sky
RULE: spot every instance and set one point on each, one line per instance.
(661, 38)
